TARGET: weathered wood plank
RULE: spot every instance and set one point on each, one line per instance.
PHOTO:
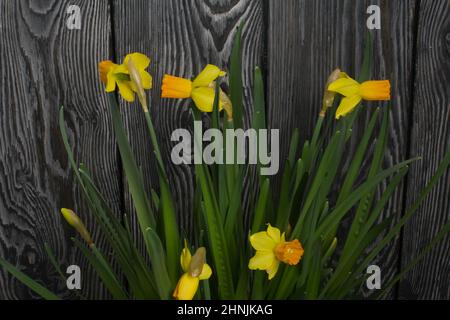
(45, 65)
(307, 40)
(181, 37)
(430, 139)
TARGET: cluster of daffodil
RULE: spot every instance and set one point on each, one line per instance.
(288, 240)
(201, 89)
(271, 246)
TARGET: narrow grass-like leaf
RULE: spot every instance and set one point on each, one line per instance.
(429, 247)
(366, 202)
(30, 283)
(158, 261)
(137, 190)
(171, 233)
(339, 212)
(103, 270)
(353, 170)
(214, 227)
(261, 206)
(393, 232)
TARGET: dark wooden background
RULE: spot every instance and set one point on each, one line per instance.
(44, 65)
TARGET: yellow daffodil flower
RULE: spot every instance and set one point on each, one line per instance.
(130, 76)
(75, 221)
(354, 92)
(195, 269)
(271, 249)
(201, 90)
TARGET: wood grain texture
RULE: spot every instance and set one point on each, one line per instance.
(45, 65)
(181, 37)
(306, 41)
(430, 139)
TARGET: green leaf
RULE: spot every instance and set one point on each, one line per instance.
(103, 270)
(328, 157)
(366, 202)
(171, 233)
(355, 166)
(62, 128)
(443, 166)
(137, 190)
(52, 258)
(215, 230)
(30, 283)
(293, 146)
(259, 218)
(339, 212)
(157, 260)
(367, 58)
(156, 150)
(430, 246)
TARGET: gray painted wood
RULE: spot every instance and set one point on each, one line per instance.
(430, 139)
(307, 40)
(45, 65)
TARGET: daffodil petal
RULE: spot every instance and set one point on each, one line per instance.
(262, 241)
(186, 288)
(125, 90)
(122, 68)
(274, 233)
(347, 105)
(206, 272)
(262, 260)
(110, 82)
(146, 79)
(141, 61)
(204, 99)
(272, 270)
(208, 75)
(344, 86)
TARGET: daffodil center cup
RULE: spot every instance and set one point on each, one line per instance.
(289, 252)
(375, 90)
(176, 87)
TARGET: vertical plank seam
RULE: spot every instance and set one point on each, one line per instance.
(113, 55)
(415, 34)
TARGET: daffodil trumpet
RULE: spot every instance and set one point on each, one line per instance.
(272, 249)
(201, 90)
(195, 269)
(354, 92)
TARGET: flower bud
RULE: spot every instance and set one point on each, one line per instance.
(72, 218)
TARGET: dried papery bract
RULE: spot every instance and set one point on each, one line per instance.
(197, 262)
(137, 83)
(227, 106)
(328, 96)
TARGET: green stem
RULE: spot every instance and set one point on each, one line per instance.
(157, 151)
